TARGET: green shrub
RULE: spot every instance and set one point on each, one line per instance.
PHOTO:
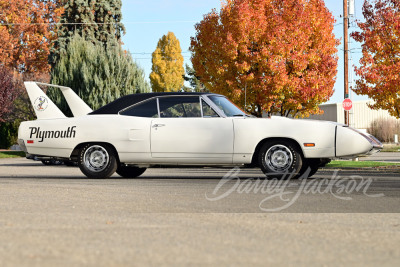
(8, 134)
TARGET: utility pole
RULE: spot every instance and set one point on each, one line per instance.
(346, 56)
(245, 96)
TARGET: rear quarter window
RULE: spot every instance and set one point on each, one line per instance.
(147, 109)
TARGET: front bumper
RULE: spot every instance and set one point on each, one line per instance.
(376, 144)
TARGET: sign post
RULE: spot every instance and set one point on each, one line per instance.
(346, 55)
(347, 105)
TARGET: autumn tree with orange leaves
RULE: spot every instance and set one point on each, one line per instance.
(380, 63)
(27, 30)
(282, 53)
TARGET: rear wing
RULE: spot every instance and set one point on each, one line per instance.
(46, 109)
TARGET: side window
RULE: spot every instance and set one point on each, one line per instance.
(179, 106)
(207, 110)
(146, 109)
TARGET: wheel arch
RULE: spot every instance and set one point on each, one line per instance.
(75, 151)
(254, 161)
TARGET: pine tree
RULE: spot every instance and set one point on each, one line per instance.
(98, 75)
(95, 20)
(167, 70)
(195, 84)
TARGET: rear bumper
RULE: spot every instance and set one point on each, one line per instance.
(21, 143)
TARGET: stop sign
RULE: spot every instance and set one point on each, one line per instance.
(347, 104)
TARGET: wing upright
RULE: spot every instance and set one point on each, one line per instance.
(46, 109)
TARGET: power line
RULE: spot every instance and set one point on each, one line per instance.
(132, 53)
(148, 53)
(151, 58)
(97, 23)
(160, 22)
(58, 23)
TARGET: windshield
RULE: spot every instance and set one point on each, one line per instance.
(226, 106)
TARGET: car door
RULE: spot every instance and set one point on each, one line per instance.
(135, 122)
(189, 131)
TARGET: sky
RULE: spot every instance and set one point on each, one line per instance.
(147, 21)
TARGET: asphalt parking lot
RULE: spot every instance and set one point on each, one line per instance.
(383, 156)
(53, 215)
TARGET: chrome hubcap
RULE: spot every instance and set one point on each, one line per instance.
(96, 158)
(279, 158)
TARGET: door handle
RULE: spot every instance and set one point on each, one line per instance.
(158, 125)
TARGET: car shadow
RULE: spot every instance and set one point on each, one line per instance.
(191, 173)
(34, 164)
(143, 178)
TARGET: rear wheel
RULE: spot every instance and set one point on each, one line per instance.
(130, 171)
(280, 159)
(97, 161)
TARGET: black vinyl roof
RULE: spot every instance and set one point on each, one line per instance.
(129, 100)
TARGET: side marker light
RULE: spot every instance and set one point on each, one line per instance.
(309, 144)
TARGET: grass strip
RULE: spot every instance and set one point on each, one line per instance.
(389, 148)
(358, 164)
(11, 154)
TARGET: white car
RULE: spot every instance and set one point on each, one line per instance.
(204, 129)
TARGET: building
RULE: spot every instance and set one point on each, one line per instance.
(361, 115)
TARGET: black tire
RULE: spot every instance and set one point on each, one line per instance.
(130, 171)
(313, 170)
(309, 168)
(324, 162)
(280, 159)
(46, 162)
(97, 161)
(70, 163)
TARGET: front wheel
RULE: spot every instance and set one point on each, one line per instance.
(130, 171)
(311, 166)
(280, 159)
(97, 161)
